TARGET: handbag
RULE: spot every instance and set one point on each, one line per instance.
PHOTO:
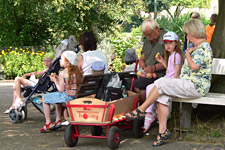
(112, 94)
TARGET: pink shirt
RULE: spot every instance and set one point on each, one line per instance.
(171, 64)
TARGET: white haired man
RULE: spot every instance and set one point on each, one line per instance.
(152, 45)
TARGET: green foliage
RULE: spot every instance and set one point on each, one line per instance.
(38, 22)
(23, 23)
(176, 24)
(117, 65)
(180, 5)
(18, 62)
(123, 41)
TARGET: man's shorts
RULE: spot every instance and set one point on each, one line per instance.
(142, 83)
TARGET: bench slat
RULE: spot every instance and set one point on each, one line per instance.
(210, 98)
(218, 66)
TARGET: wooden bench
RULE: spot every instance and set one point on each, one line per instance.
(209, 98)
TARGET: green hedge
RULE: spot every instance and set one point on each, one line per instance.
(16, 62)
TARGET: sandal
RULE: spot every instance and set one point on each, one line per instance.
(162, 137)
(149, 119)
(159, 141)
(56, 125)
(140, 115)
(167, 134)
(46, 127)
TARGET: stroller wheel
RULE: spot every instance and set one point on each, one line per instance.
(13, 116)
(21, 116)
(24, 111)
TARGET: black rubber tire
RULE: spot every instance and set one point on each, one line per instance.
(21, 116)
(13, 116)
(69, 138)
(96, 130)
(138, 128)
(113, 137)
(25, 112)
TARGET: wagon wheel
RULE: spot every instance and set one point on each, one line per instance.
(96, 130)
(138, 128)
(113, 137)
(69, 136)
(13, 116)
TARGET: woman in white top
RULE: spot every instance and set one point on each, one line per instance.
(88, 43)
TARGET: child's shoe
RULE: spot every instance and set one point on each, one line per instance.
(149, 119)
(46, 127)
(65, 123)
(8, 110)
(56, 125)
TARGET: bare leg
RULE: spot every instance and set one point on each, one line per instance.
(163, 113)
(47, 112)
(152, 97)
(58, 111)
(142, 96)
(17, 88)
(65, 113)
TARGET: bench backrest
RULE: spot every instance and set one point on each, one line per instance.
(92, 84)
(218, 66)
(89, 85)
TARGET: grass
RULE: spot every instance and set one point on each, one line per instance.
(208, 125)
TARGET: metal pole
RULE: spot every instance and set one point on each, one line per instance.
(155, 9)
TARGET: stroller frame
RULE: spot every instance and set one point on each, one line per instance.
(44, 83)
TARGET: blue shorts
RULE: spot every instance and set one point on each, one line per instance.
(57, 97)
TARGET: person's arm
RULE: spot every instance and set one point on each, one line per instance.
(190, 61)
(159, 66)
(59, 82)
(177, 65)
(39, 72)
(161, 60)
(34, 73)
(142, 61)
(177, 69)
(80, 62)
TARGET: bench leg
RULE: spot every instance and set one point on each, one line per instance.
(185, 117)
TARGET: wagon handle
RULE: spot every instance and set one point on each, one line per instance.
(87, 102)
(135, 70)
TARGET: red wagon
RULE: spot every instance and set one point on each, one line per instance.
(89, 111)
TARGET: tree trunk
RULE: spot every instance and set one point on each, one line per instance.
(218, 47)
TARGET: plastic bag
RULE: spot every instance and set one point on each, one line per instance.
(115, 81)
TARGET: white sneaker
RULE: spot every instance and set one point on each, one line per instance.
(65, 123)
(8, 110)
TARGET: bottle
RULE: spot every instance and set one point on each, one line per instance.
(124, 93)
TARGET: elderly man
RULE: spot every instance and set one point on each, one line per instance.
(152, 45)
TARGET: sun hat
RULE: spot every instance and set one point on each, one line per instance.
(98, 66)
(50, 55)
(130, 55)
(71, 56)
(170, 36)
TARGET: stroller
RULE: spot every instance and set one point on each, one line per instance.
(44, 84)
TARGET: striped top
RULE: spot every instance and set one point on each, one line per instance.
(72, 91)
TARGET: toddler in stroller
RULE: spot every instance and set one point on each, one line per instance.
(28, 83)
(43, 85)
